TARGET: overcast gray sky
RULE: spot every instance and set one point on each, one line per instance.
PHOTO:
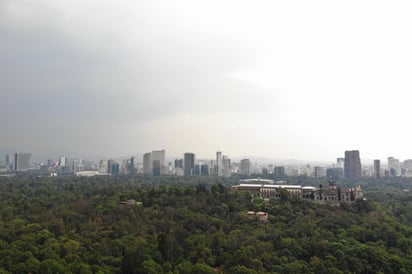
(279, 79)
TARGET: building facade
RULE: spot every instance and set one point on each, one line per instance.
(332, 194)
(352, 167)
(189, 164)
(21, 161)
(245, 167)
(377, 168)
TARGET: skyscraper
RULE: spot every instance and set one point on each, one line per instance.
(21, 161)
(218, 166)
(352, 167)
(226, 166)
(189, 163)
(147, 164)
(158, 162)
(245, 167)
(394, 167)
(8, 160)
(377, 168)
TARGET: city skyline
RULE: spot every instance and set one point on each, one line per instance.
(295, 80)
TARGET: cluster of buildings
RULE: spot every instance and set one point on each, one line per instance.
(267, 189)
(156, 163)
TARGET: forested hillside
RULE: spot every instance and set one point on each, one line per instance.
(78, 225)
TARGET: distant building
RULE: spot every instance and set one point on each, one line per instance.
(330, 195)
(227, 168)
(104, 167)
(394, 167)
(133, 166)
(8, 161)
(158, 162)
(279, 171)
(147, 164)
(245, 166)
(115, 168)
(189, 164)
(179, 163)
(377, 169)
(219, 167)
(352, 166)
(21, 161)
(319, 172)
(204, 170)
(407, 165)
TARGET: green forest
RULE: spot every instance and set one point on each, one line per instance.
(197, 225)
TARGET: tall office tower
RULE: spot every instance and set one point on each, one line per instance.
(340, 162)
(158, 162)
(319, 172)
(110, 166)
(407, 165)
(115, 168)
(179, 163)
(147, 164)
(189, 163)
(226, 167)
(21, 161)
(75, 165)
(377, 169)
(219, 167)
(394, 167)
(8, 160)
(279, 171)
(245, 167)
(133, 166)
(352, 168)
(125, 167)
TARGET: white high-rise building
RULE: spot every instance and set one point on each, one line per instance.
(147, 164)
(159, 162)
(104, 167)
(219, 167)
(226, 167)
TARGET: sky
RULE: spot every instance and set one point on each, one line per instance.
(300, 80)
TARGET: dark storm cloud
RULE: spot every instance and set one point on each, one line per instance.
(44, 72)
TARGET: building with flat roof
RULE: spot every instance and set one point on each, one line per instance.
(21, 161)
(352, 166)
(245, 166)
(189, 164)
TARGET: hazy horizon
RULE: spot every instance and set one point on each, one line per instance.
(302, 80)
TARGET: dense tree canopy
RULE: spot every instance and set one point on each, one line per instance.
(195, 225)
